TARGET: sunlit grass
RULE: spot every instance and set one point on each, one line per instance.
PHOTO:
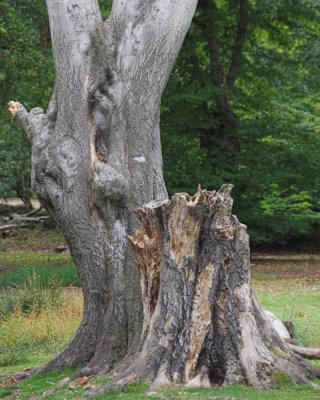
(292, 300)
(16, 259)
(47, 330)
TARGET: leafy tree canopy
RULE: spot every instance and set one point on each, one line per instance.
(270, 150)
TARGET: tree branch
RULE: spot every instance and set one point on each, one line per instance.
(20, 114)
(4, 228)
(238, 45)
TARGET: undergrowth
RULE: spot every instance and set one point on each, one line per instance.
(65, 275)
(33, 295)
(45, 329)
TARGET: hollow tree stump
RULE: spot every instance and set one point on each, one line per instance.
(203, 324)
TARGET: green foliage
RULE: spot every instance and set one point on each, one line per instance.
(272, 154)
(26, 75)
(105, 7)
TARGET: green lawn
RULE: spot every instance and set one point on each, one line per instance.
(34, 389)
(301, 305)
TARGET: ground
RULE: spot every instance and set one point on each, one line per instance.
(33, 328)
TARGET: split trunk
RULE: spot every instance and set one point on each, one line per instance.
(96, 157)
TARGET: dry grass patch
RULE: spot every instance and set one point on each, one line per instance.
(46, 330)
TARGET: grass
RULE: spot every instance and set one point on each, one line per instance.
(44, 331)
(31, 296)
(291, 300)
(66, 275)
(21, 259)
(32, 240)
(34, 389)
(276, 295)
(15, 267)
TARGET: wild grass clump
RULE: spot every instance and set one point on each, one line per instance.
(32, 296)
(66, 275)
(47, 329)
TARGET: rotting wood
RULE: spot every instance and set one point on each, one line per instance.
(10, 227)
(207, 327)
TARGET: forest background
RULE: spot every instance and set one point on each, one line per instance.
(242, 106)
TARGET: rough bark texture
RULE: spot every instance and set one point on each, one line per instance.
(96, 153)
(203, 325)
(96, 156)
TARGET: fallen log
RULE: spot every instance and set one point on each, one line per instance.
(18, 217)
(4, 228)
(33, 212)
(22, 222)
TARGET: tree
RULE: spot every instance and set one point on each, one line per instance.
(222, 78)
(274, 100)
(96, 157)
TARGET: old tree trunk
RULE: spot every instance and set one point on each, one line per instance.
(175, 304)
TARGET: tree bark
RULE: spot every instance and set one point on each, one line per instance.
(96, 156)
(203, 325)
(223, 80)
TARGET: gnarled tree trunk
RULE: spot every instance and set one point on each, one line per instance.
(96, 157)
(203, 325)
(96, 153)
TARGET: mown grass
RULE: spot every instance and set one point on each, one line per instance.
(294, 301)
(33, 240)
(16, 267)
(15, 259)
(34, 389)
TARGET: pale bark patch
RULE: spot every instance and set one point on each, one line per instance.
(147, 244)
(201, 318)
(184, 233)
(14, 106)
(199, 381)
(140, 159)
